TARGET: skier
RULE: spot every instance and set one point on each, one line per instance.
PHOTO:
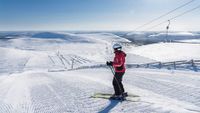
(119, 67)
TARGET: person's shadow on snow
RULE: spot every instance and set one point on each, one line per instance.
(112, 104)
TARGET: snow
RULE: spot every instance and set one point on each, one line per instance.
(168, 51)
(191, 41)
(41, 91)
(175, 34)
(36, 75)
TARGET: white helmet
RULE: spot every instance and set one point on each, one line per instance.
(117, 46)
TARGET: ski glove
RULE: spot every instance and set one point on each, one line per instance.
(109, 63)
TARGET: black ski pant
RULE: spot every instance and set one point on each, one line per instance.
(117, 83)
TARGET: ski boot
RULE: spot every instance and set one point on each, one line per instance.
(125, 94)
(117, 97)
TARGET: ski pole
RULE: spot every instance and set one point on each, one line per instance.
(112, 70)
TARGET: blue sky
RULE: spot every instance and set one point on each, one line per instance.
(16, 15)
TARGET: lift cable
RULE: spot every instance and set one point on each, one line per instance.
(190, 10)
(163, 15)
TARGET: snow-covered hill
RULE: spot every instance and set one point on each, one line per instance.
(36, 75)
(59, 50)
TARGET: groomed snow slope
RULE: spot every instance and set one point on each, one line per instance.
(34, 77)
(69, 92)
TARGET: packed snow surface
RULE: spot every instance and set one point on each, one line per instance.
(70, 91)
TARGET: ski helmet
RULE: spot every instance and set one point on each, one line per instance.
(117, 46)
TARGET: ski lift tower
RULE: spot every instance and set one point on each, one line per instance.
(167, 28)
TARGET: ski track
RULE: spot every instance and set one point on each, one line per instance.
(70, 91)
(66, 95)
(171, 89)
(181, 87)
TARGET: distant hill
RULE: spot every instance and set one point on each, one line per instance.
(142, 38)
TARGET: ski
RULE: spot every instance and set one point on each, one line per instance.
(130, 97)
